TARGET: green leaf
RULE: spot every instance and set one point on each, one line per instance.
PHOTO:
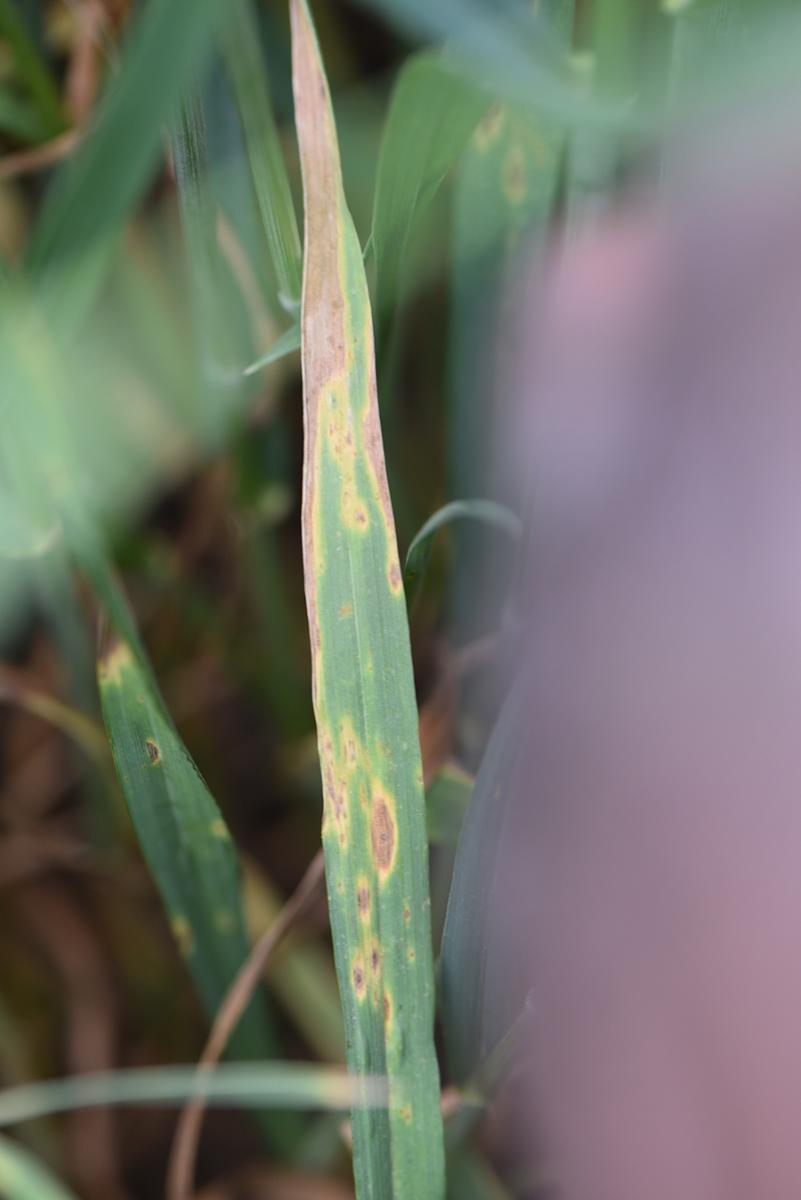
(31, 67)
(107, 174)
(247, 1085)
(184, 839)
(470, 996)
(486, 511)
(447, 799)
(246, 67)
(433, 111)
(287, 343)
(374, 819)
(20, 118)
(21, 534)
(23, 1177)
(505, 194)
(514, 50)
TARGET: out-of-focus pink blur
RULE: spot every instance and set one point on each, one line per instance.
(654, 886)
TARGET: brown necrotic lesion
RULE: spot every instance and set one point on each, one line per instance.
(382, 834)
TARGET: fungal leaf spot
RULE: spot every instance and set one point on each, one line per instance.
(153, 751)
(351, 750)
(111, 666)
(383, 835)
(359, 978)
(363, 898)
(182, 932)
(488, 129)
(394, 577)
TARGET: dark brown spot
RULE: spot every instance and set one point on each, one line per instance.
(382, 834)
(394, 577)
(363, 899)
(375, 958)
(153, 751)
(358, 979)
(387, 1009)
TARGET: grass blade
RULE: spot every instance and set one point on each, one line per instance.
(243, 1085)
(433, 111)
(184, 839)
(22, 1177)
(486, 511)
(31, 67)
(287, 343)
(472, 1025)
(20, 118)
(374, 820)
(247, 71)
(109, 171)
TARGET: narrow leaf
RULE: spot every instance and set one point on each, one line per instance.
(246, 1085)
(374, 819)
(433, 111)
(245, 65)
(286, 344)
(107, 174)
(470, 996)
(23, 1177)
(184, 839)
(486, 511)
(30, 65)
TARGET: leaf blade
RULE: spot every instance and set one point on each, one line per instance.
(374, 821)
(23, 1177)
(184, 839)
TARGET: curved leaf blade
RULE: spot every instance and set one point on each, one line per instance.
(489, 512)
(285, 1085)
